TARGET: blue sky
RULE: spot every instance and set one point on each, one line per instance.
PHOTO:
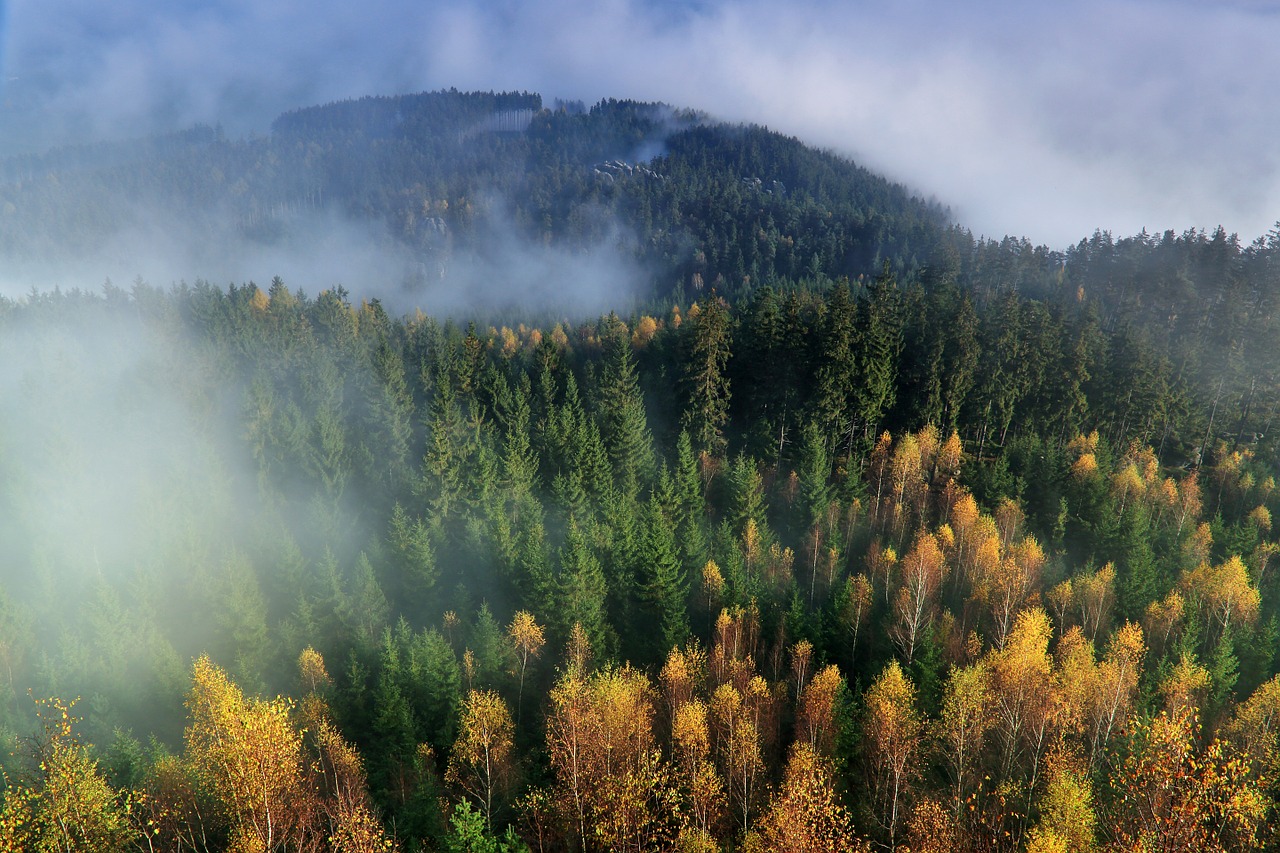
(1037, 119)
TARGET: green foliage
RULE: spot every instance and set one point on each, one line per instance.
(469, 834)
(705, 380)
(345, 479)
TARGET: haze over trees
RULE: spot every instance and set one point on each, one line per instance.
(846, 531)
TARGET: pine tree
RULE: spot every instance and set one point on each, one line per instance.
(583, 594)
(879, 348)
(836, 367)
(412, 558)
(624, 427)
(667, 582)
(706, 384)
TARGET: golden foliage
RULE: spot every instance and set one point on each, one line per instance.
(311, 668)
(528, 638)
(682, 677)
(608, 771)
(272, 792)
(892, 729)
(259, 302)
(1163, 618)
(249, 755)
(646, 328)
(817, 719)
(805, 817)
(923, 571)
(1224, 592)
(1085, 466)
(481, 761)
(1173, 795)
(1066, 808)
(962, 727)
(1184, 687)
(931, 829)
(67, 805)
(1260, 518)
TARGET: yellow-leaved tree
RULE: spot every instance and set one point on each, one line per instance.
(260, 775)
(805, 817)
(528, 639)
(481, 764)
(892, 731)
(248, 754)
(65, 805)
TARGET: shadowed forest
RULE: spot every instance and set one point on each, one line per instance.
(844, 530)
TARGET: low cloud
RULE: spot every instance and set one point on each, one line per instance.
(498, 272)
(1027, 119)
(97, 437)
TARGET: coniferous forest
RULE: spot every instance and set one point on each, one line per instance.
(846, 531)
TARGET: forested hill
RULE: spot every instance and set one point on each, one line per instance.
(693, 202)
(861, 534)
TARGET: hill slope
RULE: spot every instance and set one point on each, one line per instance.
(434, 180)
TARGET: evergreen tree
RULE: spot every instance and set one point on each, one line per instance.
(705, 382)
(623, 424)
(667, 583)
(879, 348)
(583, 594)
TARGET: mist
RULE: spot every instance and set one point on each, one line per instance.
(125, 490)
(506, 273)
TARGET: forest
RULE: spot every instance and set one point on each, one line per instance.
(851, 532)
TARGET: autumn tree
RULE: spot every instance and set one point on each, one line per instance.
(682, 678)
(1224, 593)
(1067, 817)
(66, 804)
(1163, 619)
(1093, 594)
(527, 637)
(924, 570)
(817, 717)
(691, 747)
(1007, 583)
(961, 729)
(352, 824)
(1116, 686)
(804, 816)
(249, 755)
(481, 764)
(739, 745)
(1172, 794)
(855, 608)
(601, 746)
(571, 730)
(1023, 700)
(891, 731)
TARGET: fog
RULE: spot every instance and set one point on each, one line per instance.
(507, 273)
(96, 433)
(1026, 119)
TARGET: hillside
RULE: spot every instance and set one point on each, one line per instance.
(436, 179)
(845, 531)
